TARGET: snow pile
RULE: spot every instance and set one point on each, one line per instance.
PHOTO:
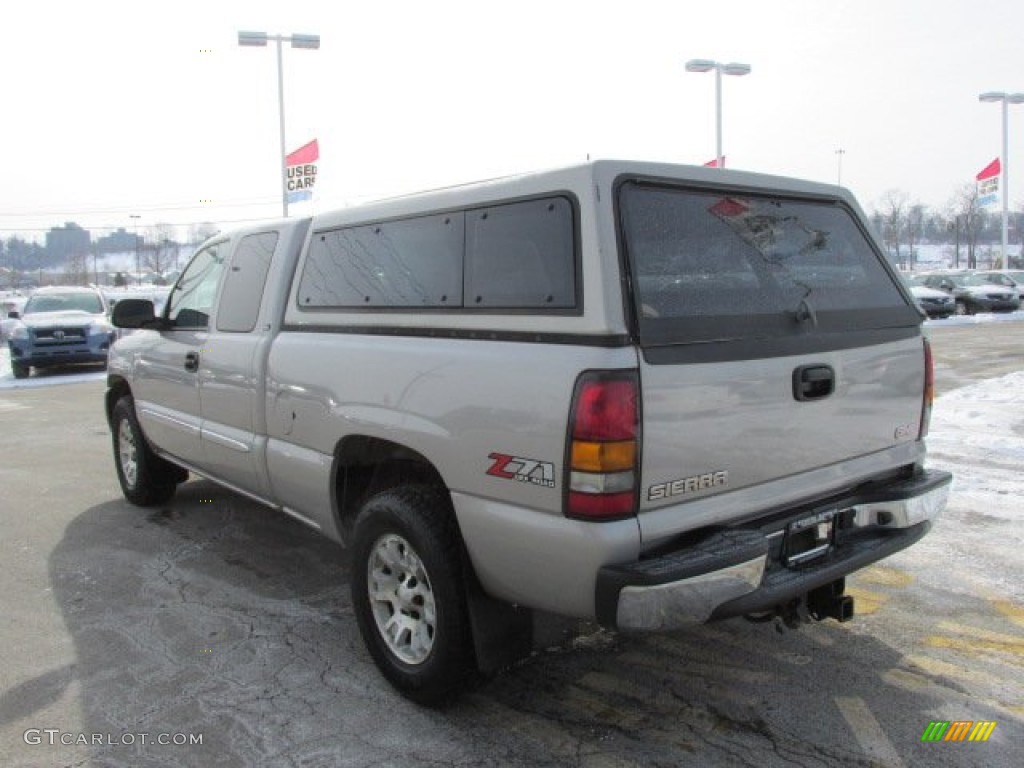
(977, 433)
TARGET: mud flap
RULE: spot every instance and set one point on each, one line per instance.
(502, 632)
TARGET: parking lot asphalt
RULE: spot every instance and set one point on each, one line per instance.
(213, 619)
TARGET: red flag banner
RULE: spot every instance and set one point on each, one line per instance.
(307, 153)
(714, 163)
(992, 169)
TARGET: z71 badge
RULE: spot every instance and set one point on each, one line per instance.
(522, 469)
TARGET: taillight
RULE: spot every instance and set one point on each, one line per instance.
(603, 446)
(929, 390)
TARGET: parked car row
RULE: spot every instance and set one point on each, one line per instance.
(941, 294)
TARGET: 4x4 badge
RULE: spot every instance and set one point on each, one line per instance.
(522, 469)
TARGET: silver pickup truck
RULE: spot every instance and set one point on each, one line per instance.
(644, 394)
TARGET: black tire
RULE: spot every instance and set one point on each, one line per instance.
(146, 479)
(963, 309)
(19, 370)
(409, 534)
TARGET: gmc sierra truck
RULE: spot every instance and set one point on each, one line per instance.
(647, 395)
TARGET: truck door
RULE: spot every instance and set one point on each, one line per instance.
(231, 386)
(168, 371)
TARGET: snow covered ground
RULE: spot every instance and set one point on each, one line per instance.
(977, 433)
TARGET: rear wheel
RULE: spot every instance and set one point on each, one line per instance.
(19, 370)
(409, 595)
(145, 478)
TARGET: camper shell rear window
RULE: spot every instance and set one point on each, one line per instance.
(713, 266)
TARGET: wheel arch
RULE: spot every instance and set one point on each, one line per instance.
(365, 465)
(117, 387)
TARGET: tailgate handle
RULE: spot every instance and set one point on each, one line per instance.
(813, 382)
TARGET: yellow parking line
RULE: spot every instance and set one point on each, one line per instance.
(1012, 611)
(686, 669)
(885, 576)
(977, 647)
(956, 628)
(866, 600)
(941, 668)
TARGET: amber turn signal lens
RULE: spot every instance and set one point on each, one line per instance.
(603, 457)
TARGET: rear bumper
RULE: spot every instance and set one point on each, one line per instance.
(745, 570)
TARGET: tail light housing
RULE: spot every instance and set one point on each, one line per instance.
(603, 446)
(928, 395)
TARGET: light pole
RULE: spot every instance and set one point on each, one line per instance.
(733, 68)
(1006, 99)
(259, 39)
(839, 162)
(138, 270)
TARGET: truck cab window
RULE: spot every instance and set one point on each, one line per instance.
(191, 301)
(243, 286)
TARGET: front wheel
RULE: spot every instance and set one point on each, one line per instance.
(145, 478)
(19, 370)
(962, 309)
(409, 595)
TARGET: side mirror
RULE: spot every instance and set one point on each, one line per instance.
(134, 313)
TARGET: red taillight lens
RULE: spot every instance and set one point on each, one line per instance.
(929, 390)
(605, 410)
(602, 457)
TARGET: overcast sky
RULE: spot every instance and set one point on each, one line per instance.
(151, 108)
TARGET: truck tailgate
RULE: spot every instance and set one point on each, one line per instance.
(710, 428)
(781, 355)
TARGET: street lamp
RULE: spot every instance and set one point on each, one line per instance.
(733, 68)
(138, 269)
(1006, 99)
(259, 39)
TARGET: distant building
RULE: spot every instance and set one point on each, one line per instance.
(69, 240)
(117, 242)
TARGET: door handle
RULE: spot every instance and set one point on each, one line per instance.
(813, 382)
(192, 362)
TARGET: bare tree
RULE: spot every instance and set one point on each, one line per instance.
(199, 232)
(160, 252)
(969, 219)
(914, 229)
(893, 208)
(77, 271)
